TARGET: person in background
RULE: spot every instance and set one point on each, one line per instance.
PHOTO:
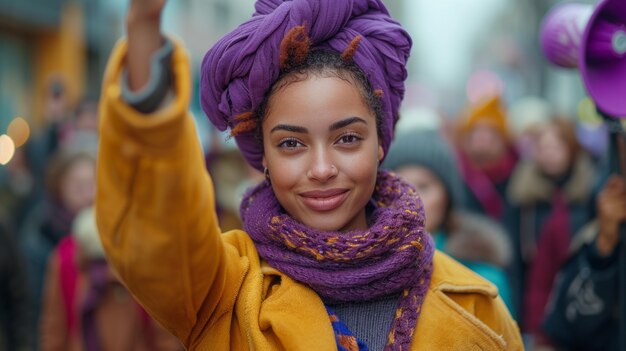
(15, 305)
(426, 160)
(47, 139)
(582, 313)
(16, 189)
(86, 115)
(70, 187)
(232, 177)
(85, 307)
(551, 194)
(487, 157)
(82, 130)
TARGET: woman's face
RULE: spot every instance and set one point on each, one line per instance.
(552, 155)
(484, 145)
(322, 152)
(432, 192)
(78, 186)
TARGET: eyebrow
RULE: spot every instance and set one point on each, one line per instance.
(289, 128)
(346, 122)
(337, 125)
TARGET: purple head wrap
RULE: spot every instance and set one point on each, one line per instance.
(242, 66)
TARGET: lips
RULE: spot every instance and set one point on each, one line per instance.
(324, 200)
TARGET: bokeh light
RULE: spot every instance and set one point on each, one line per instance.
(19, 131)
(587, 112)
(7, 149)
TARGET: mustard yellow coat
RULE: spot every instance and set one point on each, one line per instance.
(156, 216)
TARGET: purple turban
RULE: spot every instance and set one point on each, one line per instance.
(242, 66)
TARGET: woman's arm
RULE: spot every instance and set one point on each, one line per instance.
(155, 203)
(143, 23)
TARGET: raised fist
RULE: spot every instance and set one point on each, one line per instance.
(145, 10)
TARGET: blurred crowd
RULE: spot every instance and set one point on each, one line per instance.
(516, 192)
(519, 194)
(56, 290)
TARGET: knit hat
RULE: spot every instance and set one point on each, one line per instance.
(240, 68)
(489, 111)
(428, 149)
(529, 112)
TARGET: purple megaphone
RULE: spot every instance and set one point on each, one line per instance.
(594, 40)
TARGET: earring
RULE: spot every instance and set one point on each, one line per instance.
(266, 172)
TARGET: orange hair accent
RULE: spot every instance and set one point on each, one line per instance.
(294, 48)
(489, 111)
(244, 116)
(243, 127)
(349, 52)
(246, 124)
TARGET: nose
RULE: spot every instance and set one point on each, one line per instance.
(321, 167)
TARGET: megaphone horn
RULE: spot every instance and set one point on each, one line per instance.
(607, 42)
(594, 40)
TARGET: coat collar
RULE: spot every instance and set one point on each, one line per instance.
(528, 186)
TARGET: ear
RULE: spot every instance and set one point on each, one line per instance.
(381, 153)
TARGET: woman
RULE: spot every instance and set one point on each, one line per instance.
(487, 157)
(425, 160)
(581, 315)
(70, 183)
(85, 307)
(552, 195)
(333, 251)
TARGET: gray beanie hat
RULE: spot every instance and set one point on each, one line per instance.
(428, 149)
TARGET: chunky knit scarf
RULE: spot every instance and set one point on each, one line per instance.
(393, 255)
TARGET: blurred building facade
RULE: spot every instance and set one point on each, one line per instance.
(71, 39)
(42, 41)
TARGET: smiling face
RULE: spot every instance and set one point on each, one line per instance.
(321, 148)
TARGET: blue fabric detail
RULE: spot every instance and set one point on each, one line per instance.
(342, 333)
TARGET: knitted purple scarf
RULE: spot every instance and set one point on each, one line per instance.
(394, 254)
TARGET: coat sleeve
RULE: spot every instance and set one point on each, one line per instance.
(155, 208)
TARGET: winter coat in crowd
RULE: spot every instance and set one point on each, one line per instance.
(547, 214)
(583, 313)
(44, 227)
(85, 306)
(15, 307)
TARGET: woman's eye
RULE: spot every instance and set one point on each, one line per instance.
(289, 144)
(349, 139)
